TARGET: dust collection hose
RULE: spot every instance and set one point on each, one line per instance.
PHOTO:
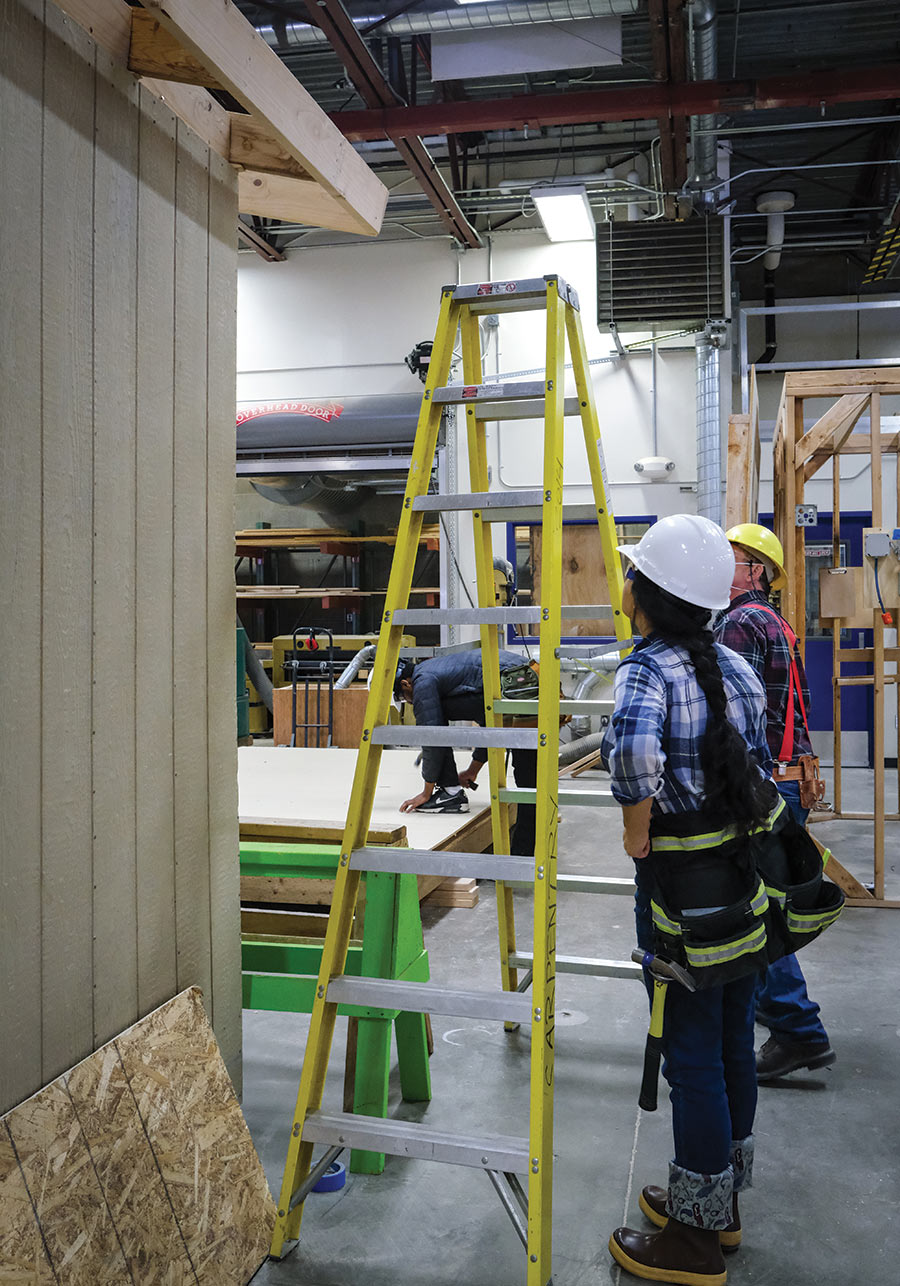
(256, 673)
(575, 750)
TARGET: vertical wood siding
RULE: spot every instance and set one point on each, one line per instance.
(118, 798)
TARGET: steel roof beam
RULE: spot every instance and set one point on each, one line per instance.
(596, 106)
(377, 92)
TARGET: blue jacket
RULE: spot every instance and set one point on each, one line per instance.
(450, 687)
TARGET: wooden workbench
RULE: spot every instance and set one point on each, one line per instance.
(308, 789)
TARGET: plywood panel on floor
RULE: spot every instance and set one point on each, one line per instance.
(135, 1166)
(213, 1177)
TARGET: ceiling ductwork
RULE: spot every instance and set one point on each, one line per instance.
(470, 17)
(704, 66)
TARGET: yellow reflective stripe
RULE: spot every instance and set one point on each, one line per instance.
(760, 900)
(662, 921)
(826, 854)
(724, 952)
(687, 844)
(712, 839)
(776, 895)
(807, 921)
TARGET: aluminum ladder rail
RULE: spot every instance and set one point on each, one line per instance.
(503, 1157)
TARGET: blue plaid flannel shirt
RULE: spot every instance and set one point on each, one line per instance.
(652, 744)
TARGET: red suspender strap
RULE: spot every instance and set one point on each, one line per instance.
(786, 753)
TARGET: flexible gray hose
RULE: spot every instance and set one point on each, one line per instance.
(257, 674)
(575, 750)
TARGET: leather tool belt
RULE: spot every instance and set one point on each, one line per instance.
(806, 771)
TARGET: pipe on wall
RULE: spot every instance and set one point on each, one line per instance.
(709, 433)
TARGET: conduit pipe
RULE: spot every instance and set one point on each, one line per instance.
(470, 17)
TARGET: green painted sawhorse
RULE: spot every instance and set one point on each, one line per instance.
(280, 974)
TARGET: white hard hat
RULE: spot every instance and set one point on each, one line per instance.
(687, 556)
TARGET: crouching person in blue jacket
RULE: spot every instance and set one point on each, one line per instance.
(447, 688)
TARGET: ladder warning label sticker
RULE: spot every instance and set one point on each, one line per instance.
(498, 288)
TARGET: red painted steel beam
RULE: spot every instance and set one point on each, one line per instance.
(375, 90)
(596, 106)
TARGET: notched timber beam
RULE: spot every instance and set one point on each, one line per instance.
(153, 51)
(252, 147)
(220, 37)
(257, 148)
(280, 196)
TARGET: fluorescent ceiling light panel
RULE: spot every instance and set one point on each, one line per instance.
(565, 213)
(532, 47)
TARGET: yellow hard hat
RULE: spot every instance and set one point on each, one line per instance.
(749, 535)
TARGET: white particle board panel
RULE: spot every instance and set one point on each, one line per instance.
(296, 786)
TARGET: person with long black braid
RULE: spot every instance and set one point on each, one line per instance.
(687, 755)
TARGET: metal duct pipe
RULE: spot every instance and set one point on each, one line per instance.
(709, 432)
(704, 66)
(581, 723)
(469, 17)
(353, 667)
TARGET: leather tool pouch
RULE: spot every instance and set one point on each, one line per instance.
(812, 787)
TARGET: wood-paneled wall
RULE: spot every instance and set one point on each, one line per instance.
(118, 797)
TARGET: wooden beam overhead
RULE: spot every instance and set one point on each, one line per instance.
(323, 194)
(221, 38)
(153, 51)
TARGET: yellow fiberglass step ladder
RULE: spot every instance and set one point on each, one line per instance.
(505, 1158)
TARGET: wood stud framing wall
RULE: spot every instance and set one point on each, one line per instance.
(118, 832)
(800, 453)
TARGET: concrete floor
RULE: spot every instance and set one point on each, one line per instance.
(824, 1206)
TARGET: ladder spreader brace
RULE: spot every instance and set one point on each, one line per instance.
(504, 1158)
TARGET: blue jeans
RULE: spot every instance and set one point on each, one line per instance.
(709, 1061)
(710, 1066)
(781, 996)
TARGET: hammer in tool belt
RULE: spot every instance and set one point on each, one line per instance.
(662, 972)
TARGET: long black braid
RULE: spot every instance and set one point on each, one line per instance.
(733, 785)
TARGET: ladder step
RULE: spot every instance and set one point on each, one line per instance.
(587, 651)
(511, 296)
(428, 861)
(410, 1139)
(522, 411)
(401, 734)
(580, 884)
(472, 394)
(479, 500)
(495, 615)
(415, 653)
(426, 998)
(512, 705)
(570, 798)
(581, 964)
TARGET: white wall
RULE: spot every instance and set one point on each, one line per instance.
(340, 321)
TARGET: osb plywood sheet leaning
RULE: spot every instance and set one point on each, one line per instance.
(135, 1167)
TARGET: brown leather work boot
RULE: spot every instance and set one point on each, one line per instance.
(681, 1254)
(652, 1202)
